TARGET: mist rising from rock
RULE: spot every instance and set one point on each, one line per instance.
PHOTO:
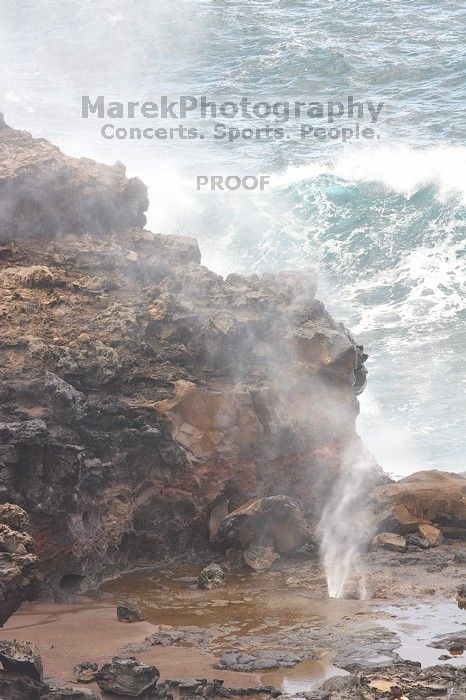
(343, 529)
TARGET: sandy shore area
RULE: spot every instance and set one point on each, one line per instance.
(88, 630)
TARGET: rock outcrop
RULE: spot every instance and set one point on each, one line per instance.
(391, 541)
(421, 500)
(20, 576)
(126, 676)
(401, 680)
(129, 612)
(264, 529)
(21, 657)
(45, 193)
(142, 396)
(261, 660)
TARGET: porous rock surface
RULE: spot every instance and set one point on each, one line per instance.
(401, 680)
(20, 575)
(45, 193)
(126, 676)
(139, 391)
(275, 521)
(21, 657)
(416, 502)
(129, 612)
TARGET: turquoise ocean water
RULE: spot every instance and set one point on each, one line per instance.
(383, 220)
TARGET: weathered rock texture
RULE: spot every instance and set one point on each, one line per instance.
(126, 676)
(45, 193)
(20, 576)
(402, 680)
(142, 395)
(264, 529)
(415, 502)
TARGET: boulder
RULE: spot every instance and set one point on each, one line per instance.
(259, 557)
(391, 541)
(129, 612)
(212, 576)
(397, 519)
(126, 676)
(21, 657)
(431, 534)
(431, 496)
(456, 648)
(85, 671)
(277, 521)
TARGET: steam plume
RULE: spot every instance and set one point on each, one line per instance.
(344, 526)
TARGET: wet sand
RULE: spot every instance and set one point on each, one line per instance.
(67, 634)
(285, 609)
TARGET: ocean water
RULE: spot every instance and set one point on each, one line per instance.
(383, 220)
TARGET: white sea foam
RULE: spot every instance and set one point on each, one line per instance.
(398, 167)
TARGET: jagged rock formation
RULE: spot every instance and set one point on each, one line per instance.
(21, 657)
(127, 676)
(264, 529)
(20, 576)
(45, 193)
(413, 503)
(139, 390)
(401, 680)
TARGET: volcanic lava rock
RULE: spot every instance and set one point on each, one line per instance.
(390, 540)
(57, 689)
(21, 657)
(260, 557)
(17, 686)
(139, 391)
(278, 520)
(454, 642)
(202, 688)
(14, 516)
(339, 688)
(417, 542)
(431, 496)
(85, 671)
(212, 576)
(20, 576)
(32, 276)
(45, 193)
(397, 519)
(126, 677)
(431, 534)
(261, 660)
(129, 612)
